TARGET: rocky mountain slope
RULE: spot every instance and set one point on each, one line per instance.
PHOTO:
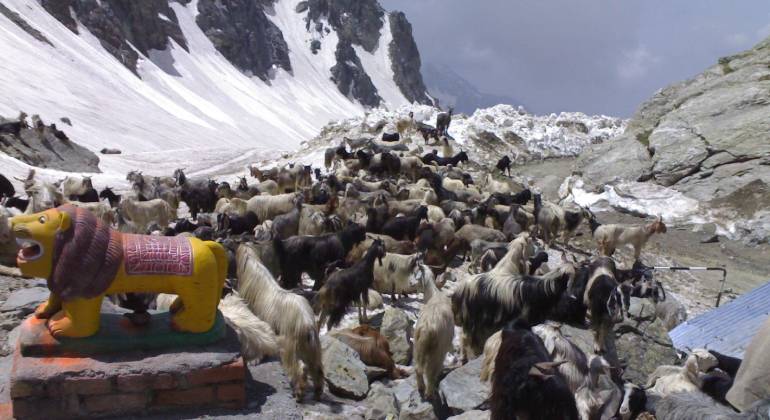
(202, 77)
(706, 138)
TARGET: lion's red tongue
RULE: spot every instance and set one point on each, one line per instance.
(30, 251)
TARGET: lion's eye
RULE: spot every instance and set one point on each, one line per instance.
(42, 220)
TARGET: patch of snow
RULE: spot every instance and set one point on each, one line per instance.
(379, 67)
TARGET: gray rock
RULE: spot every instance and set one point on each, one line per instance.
(351, 78)
(642, 309)
(122, 27)
(344, 371)
(374, 373)
(242, 32)
(462, 390)
(25, 300)
(48, 147)
(272, 393)
(398, 330)
(472, 415)
(403, 389)
(707, 138)
(671, 312)
(416, 409)
(382, 403)
(405, 60)
(623, 158)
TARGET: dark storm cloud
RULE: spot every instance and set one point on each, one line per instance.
(595, 56)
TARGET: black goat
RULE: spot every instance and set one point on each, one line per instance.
(110, 195)
(391, 137)
(287, 225)
(716, 385)
(16, 202)
(184, 225)
(604, 300)
(237, 225)
(634, 401)
(427, 132)
(442, 161)
(312, 254)
(504, 165)
(521, 197)
(525, 383)
(485, 302)
(376, 217)
(401, 228)
(199, 195)
(90, 196)
(385, 163)
(6, 188)
(727, 364)
(344, 286)
(536, 261)
(204, 233)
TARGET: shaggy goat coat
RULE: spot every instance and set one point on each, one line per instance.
(524, 384)
(433, 335)
(487, 301)
(290, 316)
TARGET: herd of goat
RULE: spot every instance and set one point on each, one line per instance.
(381, 218)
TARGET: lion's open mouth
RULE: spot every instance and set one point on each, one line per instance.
(30, 249)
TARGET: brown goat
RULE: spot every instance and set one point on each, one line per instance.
(371, 346)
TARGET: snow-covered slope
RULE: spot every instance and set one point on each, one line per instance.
(190, 107)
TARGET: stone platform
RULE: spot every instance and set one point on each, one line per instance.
(133, 382)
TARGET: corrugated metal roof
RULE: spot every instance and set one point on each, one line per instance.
(727, 329)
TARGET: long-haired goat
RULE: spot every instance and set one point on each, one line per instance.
(397, 274)
(433, 335)
(485, 302)
(599, 397)
(312, 254)
(290, 316)
(343, 287)
(267, 207)
(610, 237)
(405, 227)
(603, 300)
(552, 219)
(256, 337)
(525, 384)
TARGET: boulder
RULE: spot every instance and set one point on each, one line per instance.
(25, 300)
(462, 390)
(344, 371)
(398, 330)
(381, 403)
(416, 409)
(671, 312)
(704, 137)
(623, 158)
(472, 415)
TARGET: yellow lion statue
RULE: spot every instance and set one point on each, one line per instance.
(83, 260)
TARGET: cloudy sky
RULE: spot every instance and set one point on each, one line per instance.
(595, 56)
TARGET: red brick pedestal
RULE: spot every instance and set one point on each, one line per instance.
(130, 383)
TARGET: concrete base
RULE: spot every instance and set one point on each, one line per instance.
(136, 382)
(116, 335)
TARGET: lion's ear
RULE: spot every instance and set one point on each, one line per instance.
(64, 221)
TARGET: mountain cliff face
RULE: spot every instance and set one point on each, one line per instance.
(191, 75)
(705, 137)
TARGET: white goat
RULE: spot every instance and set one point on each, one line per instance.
(433, 335)
(610, 237)
(575, 366)
(266, 207)
(396, 274)
(232, 206)
(256, 337)
(145, 213)
(290, 316)
(669, 379)
(102, 211)
(599, 397)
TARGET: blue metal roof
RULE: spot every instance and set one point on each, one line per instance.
(727, 329)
